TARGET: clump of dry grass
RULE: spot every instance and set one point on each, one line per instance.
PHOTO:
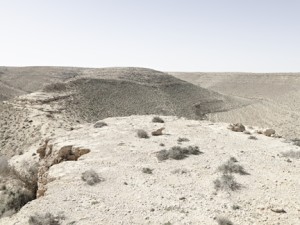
(182, 139)
(142, 134)
(91, 177)
(252, 137)
(231, 167)
(157, 119)
(147, 170)
(178, 153)
(227, 182)
(224, 221)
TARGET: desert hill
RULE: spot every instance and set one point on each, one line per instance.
(276, 98)
(57, 159)
(78, 95)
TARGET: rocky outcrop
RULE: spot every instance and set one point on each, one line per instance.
(50, 156)
(158, 132)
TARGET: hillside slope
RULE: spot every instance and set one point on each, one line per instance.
(276, 98)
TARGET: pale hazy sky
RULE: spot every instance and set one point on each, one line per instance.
(168, 35)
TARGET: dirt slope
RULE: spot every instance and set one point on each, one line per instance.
(276, 98)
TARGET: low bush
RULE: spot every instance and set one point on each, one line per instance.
(224, 221)
(147, 170)
(182, 140)
(91, 177)
(251, 137)
(45, 219)
(157, 119)
(226, 182)
(231, 167)
(162, 155)
(142, 134)
(178, 153)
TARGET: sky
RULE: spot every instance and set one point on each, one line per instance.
(167, 35)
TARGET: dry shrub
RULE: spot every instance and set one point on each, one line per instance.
(224, 221)
(147, 170)
(45, 219)
(182, 139)
(178, 153)
(226, 182)
(91, 177)
(251, 137)
(157, 119)
(231, 167)
(142, 134)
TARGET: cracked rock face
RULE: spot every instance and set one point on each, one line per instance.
(50, 156)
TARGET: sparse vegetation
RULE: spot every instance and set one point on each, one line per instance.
(182, 139)
(162, 144)
(231, 167)
(142, 134)
(45, 219)
(178, 153)
(55, 87)
(291, 154)
(251, 137)
(179, 171)
(226, 182)
(162, 155)
(235, 207)
(91, 177)
(224, 221)
(13, 200)
(157, 119)
(147, 170)
(296, 141)
(4, 166)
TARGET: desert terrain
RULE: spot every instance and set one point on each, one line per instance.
(275, 96)
(84, 146)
